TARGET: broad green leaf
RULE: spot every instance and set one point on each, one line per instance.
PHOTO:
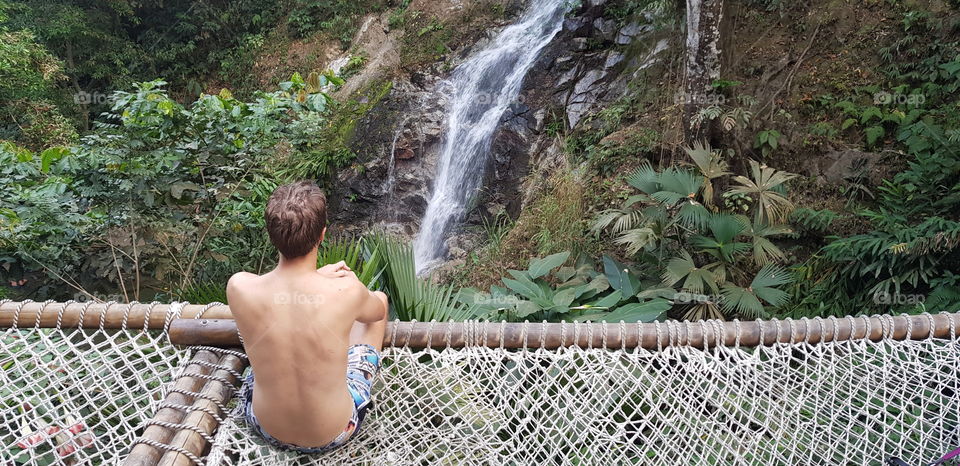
(638, 312)
(51, 156)
(620, 277)
(609, 300)
(527, 308)
(565, 297)
(564, 274)
(527, 290)
(540, 267)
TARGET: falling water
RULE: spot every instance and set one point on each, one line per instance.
(480, 90)
(391, 184)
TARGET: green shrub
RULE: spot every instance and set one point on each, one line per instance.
(160, 196)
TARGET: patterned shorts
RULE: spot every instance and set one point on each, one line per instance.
(363, 364)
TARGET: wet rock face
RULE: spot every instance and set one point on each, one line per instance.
(585, 68)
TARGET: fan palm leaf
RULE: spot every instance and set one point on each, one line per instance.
(645, 178)
(412, 297)
(711, 165)
(722, 244)
(764, 251)
(693, 215)
(680, 183)
(638, 239)
(771, 206)
(747, 301)
(684, 269)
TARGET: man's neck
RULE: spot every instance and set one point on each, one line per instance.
(298, 265)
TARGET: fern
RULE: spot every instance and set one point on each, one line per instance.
(812, 219)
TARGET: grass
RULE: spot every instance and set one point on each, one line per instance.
(554, 222)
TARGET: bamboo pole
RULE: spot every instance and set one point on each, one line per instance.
(47, 315)
(214, 392)
(143, 454)
(216, 332)
(515, 335)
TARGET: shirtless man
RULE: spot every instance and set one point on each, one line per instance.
(313, 336)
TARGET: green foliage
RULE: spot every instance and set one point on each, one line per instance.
(579, 294)
(354, 65)
(29, 92)
(596, 138)
(675, 225)
(411, 297)
(765, 186)
(398, 18)
(338, 18)
(111, 45)
(903, 261)
(365, 260)
(767, 141)
(810, 220)
(161, 195)
(910, 260)
(204, 293)
(27, 70)
(324, 139)
(425, 40)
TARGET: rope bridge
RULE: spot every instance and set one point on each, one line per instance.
(85, 383)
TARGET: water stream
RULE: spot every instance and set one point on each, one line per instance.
(480, 90)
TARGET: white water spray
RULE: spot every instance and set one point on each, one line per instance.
(480, 89)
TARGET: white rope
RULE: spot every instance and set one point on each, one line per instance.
(833, 402)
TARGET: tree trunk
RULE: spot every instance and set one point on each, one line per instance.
(703, 64)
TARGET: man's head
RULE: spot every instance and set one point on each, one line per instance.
(296, 217)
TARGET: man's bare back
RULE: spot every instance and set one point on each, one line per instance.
(297, 323)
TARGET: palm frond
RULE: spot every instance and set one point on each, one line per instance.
(683, 268)
(411, 296)
(694, 215)
(771, 206)
(638, 239)
(683, 182)
(645, 178)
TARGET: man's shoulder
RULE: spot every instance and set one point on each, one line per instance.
(241, 278)
(239, 285)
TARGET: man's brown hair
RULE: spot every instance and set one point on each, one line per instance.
(296, 215)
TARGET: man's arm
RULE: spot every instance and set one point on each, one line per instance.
(374, 308)
(369, 306)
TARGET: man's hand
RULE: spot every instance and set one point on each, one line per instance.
(337, 270)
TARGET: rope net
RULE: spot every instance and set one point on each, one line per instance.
(73, 396)
(79, 397)
(833, 403)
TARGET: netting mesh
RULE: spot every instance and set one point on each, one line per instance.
(77, 396)
(834, 403)
(83, 396)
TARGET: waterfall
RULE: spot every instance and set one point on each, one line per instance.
(480, 90)
(390, 186)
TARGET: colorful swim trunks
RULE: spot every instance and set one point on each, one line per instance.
(363, 364)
